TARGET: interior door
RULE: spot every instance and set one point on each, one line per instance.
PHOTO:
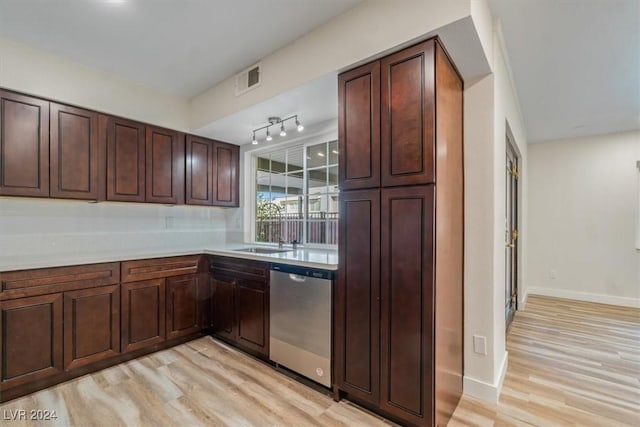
(511, 235)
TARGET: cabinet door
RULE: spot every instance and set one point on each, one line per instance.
(408, 116)
(199, 173)
(165, 166)
(143, 314)
(225, 174)
(223, 316)
(31, 343)
(359, 127)
(406, 330)
(252, 305)
(357, 300)
(183, 307)
(125, 160)
(24, 145)
(74, 153)
(91, 325)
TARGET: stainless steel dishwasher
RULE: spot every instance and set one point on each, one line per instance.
(300, 320)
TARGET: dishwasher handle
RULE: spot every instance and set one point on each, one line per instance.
(297, 278)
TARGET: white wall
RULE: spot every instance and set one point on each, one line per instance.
(367, 30)
(36, 72)
(42, 232)
(582, 209)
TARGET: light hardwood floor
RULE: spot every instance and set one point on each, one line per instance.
(570, 364)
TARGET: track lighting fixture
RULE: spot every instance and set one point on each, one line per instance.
(275, 121)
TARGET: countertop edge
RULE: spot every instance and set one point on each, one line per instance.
(18, 266)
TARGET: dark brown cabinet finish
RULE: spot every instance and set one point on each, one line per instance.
(223, 317)
(183, 306)
(400, 275)
(240, 303)
(74, 153)
(359, 127)
(211, 172)
(226, 168)
(164, 166)
(125, 160)
(357, 307)
(408, 116)
(91, 325)
(24, 145)
(199, 171)
(252, 299)
(406, 327)
(143, 314)
(31, 344)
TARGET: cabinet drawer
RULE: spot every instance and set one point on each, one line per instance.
(239, 268)
(16, 284)
(146, 269)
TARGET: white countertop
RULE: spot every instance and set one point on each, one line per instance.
(316, 258)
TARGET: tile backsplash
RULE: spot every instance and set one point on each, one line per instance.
(65, 229)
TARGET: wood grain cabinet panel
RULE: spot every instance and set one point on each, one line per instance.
(406, 327)
(357, 301)
(24, 145)
(223, 317)
(252, 305)
(399, 297)
(143, 314)
(240, 302)
(91, 325)
(359, 127)
(74, 153)
(164, 166)
(226, 169)
(125, 160)
(156, 268)
(199, 171)
(31, 344)
(183, 306)
(408, 116)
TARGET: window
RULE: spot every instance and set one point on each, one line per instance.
(297, 194)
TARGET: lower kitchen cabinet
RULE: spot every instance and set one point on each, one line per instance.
(183, 306)
(91, 325)
(31, 344)
(143, 314)
(240, 303)
(223, 316)
(252, 305)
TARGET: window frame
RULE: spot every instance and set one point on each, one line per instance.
(251, 185)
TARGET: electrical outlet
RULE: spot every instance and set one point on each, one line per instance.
(553, 274)
(480, 344)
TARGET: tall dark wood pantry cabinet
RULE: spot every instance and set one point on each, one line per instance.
(399, 297)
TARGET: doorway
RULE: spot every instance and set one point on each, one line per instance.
(511, 230)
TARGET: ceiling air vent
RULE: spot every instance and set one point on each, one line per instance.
(248, 79)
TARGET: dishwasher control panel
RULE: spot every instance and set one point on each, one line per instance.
(303, 271)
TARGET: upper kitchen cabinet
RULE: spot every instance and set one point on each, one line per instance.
(125, 160)
(74, 153)
(359, 127)
(144, 163)
(165, 166)
(386, 120)
(212, 170)
(24, 145)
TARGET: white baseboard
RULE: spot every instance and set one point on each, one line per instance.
(485, 391)
(583, 296)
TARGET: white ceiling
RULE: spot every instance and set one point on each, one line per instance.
(576, 64)
(178, 47)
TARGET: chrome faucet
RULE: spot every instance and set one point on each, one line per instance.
(280, 244)
(294, 242)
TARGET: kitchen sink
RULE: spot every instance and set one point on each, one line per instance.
(259, 250)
